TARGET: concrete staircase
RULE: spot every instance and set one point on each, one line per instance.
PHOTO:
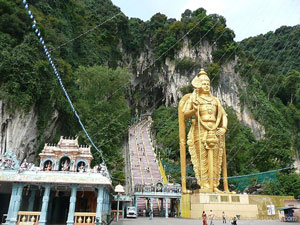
(143, 162)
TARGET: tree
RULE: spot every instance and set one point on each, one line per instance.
(287, 184)
(100, 100)
(291, 84)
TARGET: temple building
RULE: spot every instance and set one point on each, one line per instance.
(64, 189)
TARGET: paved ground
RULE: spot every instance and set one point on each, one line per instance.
(179, 221)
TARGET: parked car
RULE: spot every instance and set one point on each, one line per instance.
(131, 212)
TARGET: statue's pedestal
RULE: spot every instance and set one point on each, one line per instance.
(247, 206)
(193, 205)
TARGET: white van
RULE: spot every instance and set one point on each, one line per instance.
(131, 212)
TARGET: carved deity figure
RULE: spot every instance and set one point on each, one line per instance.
(25, 164)
(81, 168)
(49, 166)
(103, 169)
(206, 137)
(9, 163)
(65, 166)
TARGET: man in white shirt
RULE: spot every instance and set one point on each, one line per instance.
(223, 217)
(211, 217)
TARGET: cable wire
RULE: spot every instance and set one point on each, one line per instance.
(38, 34)
(84, 33)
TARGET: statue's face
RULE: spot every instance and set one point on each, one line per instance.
(205, 86)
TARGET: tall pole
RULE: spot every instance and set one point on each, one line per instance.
(200, 150)
(118, 206)
(182, 142)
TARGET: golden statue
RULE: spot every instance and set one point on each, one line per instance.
(206, 138)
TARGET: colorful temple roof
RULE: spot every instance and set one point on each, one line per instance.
(63, 163)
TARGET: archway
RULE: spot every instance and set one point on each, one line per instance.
(48, 165)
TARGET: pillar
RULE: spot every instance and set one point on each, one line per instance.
(104, 202)
(43, 216)
(180, 208)
(118, 206)
(11, 202)
(17, 203)
(161, 207)
(109, 204)
(136, 205)
(151, 207)
(123, 209)
(99, 205)
(31, 199)
(70, 220)
(57, 164)
(167, 208)
(50, 208)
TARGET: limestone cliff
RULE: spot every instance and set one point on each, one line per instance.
(157, 84)
(170, 82)
(19, 132)
(228, 92)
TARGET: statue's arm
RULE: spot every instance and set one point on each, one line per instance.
(224, 119)
(224, 122)
(188, 109)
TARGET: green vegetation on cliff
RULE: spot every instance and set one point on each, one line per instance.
(99, 89)
(272, 95)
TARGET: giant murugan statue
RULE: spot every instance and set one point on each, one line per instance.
(206, 138)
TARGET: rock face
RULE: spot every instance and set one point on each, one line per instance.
(228, 93)
(171, 81)
(157, 84)
(19, 132)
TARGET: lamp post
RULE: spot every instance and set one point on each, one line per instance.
(119, 190)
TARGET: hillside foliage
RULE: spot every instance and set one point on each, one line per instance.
(93, 68)
(272, 95)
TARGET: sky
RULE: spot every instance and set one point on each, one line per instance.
(245, 17)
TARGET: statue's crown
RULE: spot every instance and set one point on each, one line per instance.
(202, 72)
(202, 75)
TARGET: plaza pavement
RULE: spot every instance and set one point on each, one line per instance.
(180, 221)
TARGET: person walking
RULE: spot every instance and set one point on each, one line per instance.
(233, 222)
(204, 218)
(223, 217)
(150, 214)
(211, 217)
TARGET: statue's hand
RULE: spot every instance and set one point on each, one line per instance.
(195, 107)
(221, 131)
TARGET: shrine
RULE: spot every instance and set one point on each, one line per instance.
(66, 156)
(64, 189)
